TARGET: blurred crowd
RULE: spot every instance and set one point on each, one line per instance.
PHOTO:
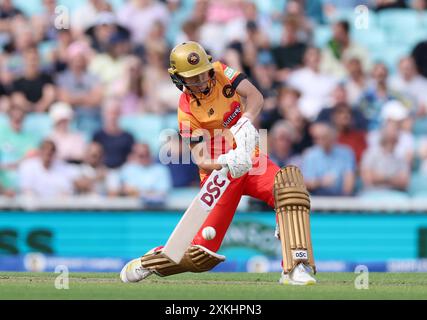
(73, 77)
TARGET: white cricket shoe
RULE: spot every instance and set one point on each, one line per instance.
(134, 272)
(299, 276)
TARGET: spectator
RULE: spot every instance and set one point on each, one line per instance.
(348, 132)
(287, 98)
(339, 97)
(85, 16)
(356, 82)
(419, 5)
(34, 91)
(44, 176)
(314, 85)
(340, 49)
(70, 145)
(15, 146)
(190, 31)
(390, 4)
(395, 114)
(92, 173)
(20, 40)
(289, 53)
(381, 168)
(8, 13)
(263, 77)
(183, 173)
(280, 146)
(58, 55)
(142, 178)
(130, 88)
(139, 15)
(81, 89)
(252, 13)
(409, 82)
(328, 168)
(296, 10)
(376, 95)
(225, 23)
(117, 144)
(164, 97)
(104, 28)
(44, 23)
(111, 64)
(302, 138)
(419, 53)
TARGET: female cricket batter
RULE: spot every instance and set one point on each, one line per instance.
(217, 100)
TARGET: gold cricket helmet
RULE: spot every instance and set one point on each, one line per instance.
(189, 59)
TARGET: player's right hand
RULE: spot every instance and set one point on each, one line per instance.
(238, 162)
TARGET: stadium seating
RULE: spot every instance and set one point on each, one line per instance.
(145, 128)
(401, 20)
(39, 125)
(170, 121)
(373, 39)
(394, 53)
(3, 120)
(420, 126)
(321, 36)
(418, 185)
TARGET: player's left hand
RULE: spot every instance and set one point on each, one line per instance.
(238, 162)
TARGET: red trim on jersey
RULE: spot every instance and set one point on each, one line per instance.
(184, 103)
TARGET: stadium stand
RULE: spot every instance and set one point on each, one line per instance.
(391, 34)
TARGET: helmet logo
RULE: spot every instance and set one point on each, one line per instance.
(193, 58)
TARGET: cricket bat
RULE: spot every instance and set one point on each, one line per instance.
(196, 215)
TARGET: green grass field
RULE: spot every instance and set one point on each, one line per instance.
(211, 286)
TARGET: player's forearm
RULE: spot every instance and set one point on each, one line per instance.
(254, 99)
(254, 103)
(209, 166)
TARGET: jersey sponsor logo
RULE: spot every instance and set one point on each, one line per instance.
(228, 91)
(233, 115)
(193, 58)
(229, 73)
(213, 190)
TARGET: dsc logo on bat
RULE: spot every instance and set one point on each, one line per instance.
(213, 190)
